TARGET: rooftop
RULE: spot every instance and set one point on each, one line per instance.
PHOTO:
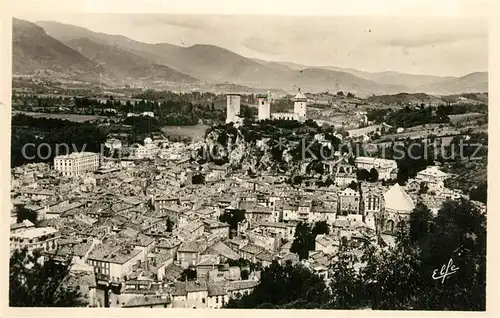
(76, 155)
(33, 232)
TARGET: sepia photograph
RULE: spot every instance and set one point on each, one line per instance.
(248, 161)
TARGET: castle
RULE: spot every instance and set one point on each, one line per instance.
(264, 104)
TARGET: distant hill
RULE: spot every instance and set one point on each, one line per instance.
(121, 64)
(470, 83)
(418, 98)
(126, 58)
(34, 51)
(405, 98)
(213, 64)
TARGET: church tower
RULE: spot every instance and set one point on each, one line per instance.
(264, 106)
(300, 106)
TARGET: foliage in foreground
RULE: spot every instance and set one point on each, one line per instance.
(32, 284)
(398, 278)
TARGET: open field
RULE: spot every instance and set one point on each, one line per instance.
(72, 117)
(465, 117)
(196, 132)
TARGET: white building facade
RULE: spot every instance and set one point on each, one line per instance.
(386, 168)
(76, 163)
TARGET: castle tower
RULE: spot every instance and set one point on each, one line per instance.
(233, 107)
(264, 106)
(300, 106)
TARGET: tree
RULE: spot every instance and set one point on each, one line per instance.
(233, 218)
(363, 175)
(245, 274)
(188, 274)
(26, 214)
(393, 278)
(198, 179)
(353, 185)
(303, 240)
(320, 227)
(420, 224)
(423, 188)
(350, 95)
(285, 286)
(170, 225)
(340, 93)
(40, 284)
(373, 175)
(479, 192)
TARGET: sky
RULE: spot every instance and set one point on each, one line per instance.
(432, 45)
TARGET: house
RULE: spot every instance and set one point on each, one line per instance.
(290, 211)
(77, 251)
(45, 238)
(236, 289)
(223, 251)
(349, 200)
(169, 245)
(190, 295)
(157, 264)
(345, 174)
(433, 178)
(255, 212)
(188, 254)
(217, 294)
(250, 251)
(265, 258)
(327, 244)
(384, 167)
(149, 301)
(191, 231)
(171, 211)
(206, 264)
(219, 229)
(276, 227)
(112, 262)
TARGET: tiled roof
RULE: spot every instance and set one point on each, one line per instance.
(252, 249)
(192, 247)
(220, 248)
(241, 284)
(216, 289)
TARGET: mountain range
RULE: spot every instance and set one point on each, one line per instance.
(76, 52)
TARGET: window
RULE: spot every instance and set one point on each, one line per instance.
(203, 300)
(217, 299)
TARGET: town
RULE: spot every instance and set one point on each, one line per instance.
(249, 162)
(158, 229)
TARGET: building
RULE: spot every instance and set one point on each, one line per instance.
(349, 204)
(45, 238)
(76, 163)
(233, 108)
(385, 167)
(148, 151)
(398, 206)
(264, 106)
(300, 105)
(433, 178)
(188, 254)
(113, 262)
(299, 108)
(345, 174)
